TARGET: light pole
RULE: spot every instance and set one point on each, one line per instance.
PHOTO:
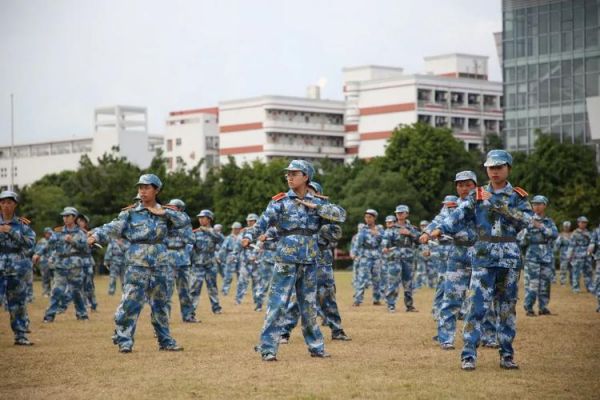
(12, 142)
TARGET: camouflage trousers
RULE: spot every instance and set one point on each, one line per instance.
(117, 270)
(488, 286)
(369, 270)
(68, 285)
(205, 273)
(565, 271)
(248, 271)
(456, 284)
(597, 282)
(538, 281)
(289, 279)
(582, 266)
(327, 307)
(144, 284)
(399, 272)
(183, 282)
(440, 265)
(420, 275)
(230, 268)
(266, 274)
(46, 274)
(89, 287)
(14, 288)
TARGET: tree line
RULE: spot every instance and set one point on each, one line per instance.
(417, 169)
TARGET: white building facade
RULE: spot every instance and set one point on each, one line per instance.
(454, 93)
(269, 127)
(119, 127)
(191, 136)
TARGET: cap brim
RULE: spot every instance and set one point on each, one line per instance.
(494, 162)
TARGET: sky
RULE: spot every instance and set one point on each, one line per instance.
(63, 58)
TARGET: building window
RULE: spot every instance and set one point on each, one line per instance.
(170, 145)
(178, 142)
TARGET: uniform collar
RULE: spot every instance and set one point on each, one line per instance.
(14, 219)
(291, 194)
(507, 190)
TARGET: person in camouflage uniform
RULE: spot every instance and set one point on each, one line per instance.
(266, 259)
(458, 271)
(594, 251)
(41, 258)
(145, 226)
(538, 239)
(439, 255)
(561, 245)
(355, 254)
(498, 211)
(69, 246)
(369, 244)
(399, 244)
(298, 215)
(17, 240)
(577, 253)
(114, 259)
(179, 242)
(229, 256)
(422, 268)
(249, 269)
(204, 267)
(89, 288)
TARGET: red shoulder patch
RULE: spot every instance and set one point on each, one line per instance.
(24, 220)
(58, 229)
(279, 196)
(479, 193)
(521, 192)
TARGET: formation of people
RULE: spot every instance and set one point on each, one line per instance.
(472, 253)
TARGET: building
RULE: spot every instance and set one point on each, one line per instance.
(192, 136)
(454, 92)
(120, 129)
(269, 127)
(551, 67)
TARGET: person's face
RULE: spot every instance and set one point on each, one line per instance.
(82, 223)
(498, 174)
(369, 219)
(539, 208)
(401, 216)
(147, 193)
(295, 179)
(47, 235)
(69, 220)
(389, 224)
(8, 206)
(204, 221)
(566, 228)
(250, 222)
(463, 188)
(236, 231)
(582, 225)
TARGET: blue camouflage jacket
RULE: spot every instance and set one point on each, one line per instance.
(65, 254)
(115, 252)
(145, 232)
(579, 243)
(206, 242)
(497, 222)
(403, 245)
(230, 249)
(369, 243)
(297, 225)
(561, 245)
(180, 241)
(539, 241)
(15, 246)
(594, 246)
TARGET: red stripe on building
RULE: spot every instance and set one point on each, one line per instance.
(240, 127)
(241, 150)
(210, 110)
(449, 74)
(351, 128)
(388, 109)
(352, 150)
(375, 135)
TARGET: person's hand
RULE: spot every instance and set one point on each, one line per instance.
(68, 238)
(35, 258)
(436, 233)
(405, 232)
(157, 211)
(306, 203)
(245, 242)
(262, 238)
(91, 240)
(386, 250)
(4, 228)
(424, 238)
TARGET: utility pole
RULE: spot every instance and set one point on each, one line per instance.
(12, 142)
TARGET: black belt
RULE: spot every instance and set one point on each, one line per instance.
(9, 251)
(299, 231)
(69, 255)
(146, 242)
(464, 243)
(498, 239)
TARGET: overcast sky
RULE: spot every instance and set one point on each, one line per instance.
(63, 58)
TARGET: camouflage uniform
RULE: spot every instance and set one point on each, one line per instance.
(206, 241)
(89, 288)
(577, 254)
(539, 262)
(561, 245)
(295, 269)
(179, 241)
(41, 249)
(401, 264)
(267, 264)
(496, 263)
(68, 273)
(249, 270)
(369, 247)
(594, 249)
(355, 254)
(114, 258)
(229, 255)
(439, 256)
(422, 268)
(14, 264)
(147, 276)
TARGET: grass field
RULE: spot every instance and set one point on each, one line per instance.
(391, 356)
